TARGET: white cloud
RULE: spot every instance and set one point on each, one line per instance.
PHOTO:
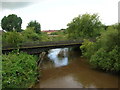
(55, 14)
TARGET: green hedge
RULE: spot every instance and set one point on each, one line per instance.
(19, 70)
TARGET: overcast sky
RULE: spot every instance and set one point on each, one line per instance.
(56, 14)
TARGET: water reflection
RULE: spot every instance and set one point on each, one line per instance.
(76, 72)
(59, 57)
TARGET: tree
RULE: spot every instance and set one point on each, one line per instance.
(11, 23)
(36, 26)
(85, 26)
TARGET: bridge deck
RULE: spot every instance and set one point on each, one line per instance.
(43, 44)
(40, 46)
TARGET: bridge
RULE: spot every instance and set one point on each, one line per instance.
(34, 48)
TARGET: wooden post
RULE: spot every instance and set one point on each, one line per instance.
(41, 57)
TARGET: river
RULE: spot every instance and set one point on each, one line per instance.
(65, 68)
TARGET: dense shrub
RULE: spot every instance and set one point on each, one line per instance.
(17, 38)
(106, 60)
(19, 70)
(103, 53)
(54, 33)
(86, 47)
(30, 35)
(12, 38)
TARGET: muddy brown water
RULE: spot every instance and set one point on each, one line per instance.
(64, 68)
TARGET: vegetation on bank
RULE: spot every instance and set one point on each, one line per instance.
(19, 70)
(16, 39)
(12, 39)
(104, 53)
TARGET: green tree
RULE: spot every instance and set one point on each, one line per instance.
(36, 25)
(85, 26)
(11, 23)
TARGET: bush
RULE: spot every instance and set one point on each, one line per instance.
(54, 33)
(108, 39)
(12, 38)
(30, 35)
(17, 38)
(107, 61)
(18, 70)
(103, 54)
(87, 48)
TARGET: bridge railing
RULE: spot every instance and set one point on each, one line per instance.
(48, 43)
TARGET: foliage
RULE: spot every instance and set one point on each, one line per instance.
(0, 44)
(11, 23)
(108, 39)
(114, 26)
(30, 35)
(44, 37)
(59, 32)
(55, 36)
(54, 33)
(103, 53)
(85, 26)
(36, 26)
(108, 61)
(12, 38)
(19, 70)
(17, 38)
(88, 48)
